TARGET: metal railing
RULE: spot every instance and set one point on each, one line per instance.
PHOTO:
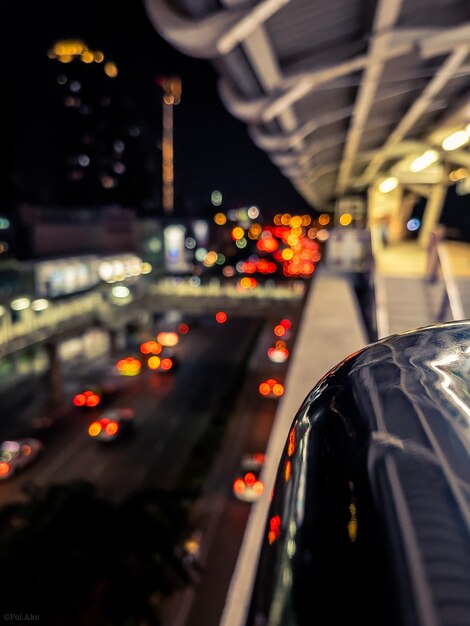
(439, 264)
(63, 317)
(380, 297)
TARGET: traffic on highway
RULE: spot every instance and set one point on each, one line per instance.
(207, 205)
(151, 422)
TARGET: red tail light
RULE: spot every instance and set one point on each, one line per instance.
(156, 347)
(258, 488)
(183, 329)
(79, 399)
(151, 347)
(94, 429)
(275, 529)
(93, 400)
(250, 479)
(112, 428)
(166, 364)
(145, 347)
(278, 355)
(4, 469)
(239, 486)
(264, 389)
(287, 471)
(221, 317)
(129, 366)
(291, 445)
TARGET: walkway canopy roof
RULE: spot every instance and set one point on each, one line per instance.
(339, 93)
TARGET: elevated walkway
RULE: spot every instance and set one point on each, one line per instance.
(331, 329)
(458, 259)
(416, 287)
(405, 298)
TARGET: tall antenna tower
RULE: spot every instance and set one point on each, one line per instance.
(171, 96)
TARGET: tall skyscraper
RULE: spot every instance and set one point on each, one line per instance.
(97, 157)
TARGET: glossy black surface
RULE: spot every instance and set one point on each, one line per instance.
(369, 519)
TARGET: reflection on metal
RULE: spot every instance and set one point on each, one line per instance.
(380, 477)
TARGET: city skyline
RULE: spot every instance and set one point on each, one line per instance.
(212, 150)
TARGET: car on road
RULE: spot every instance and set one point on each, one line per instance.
(247, 485)
(16, 455)
(168, 339)
(169, 361)
(112, 425)
(271, 388)
(164, 363)
(95, 394)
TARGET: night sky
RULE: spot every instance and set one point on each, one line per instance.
(212, 149)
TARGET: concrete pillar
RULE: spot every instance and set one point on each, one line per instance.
(55, 375)
(383, 213)
(401, 217)
(432, 212)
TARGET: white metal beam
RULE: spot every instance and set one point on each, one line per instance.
(283, 142)
(298, 89)
(433, 210)
(263, 60)
(290, 91)
(313, 172)
(386, 15)
(312, 149)
(459, 157)
(419, 106)
(296, 86)
(242, 23)
(254, 17)
(212, 36)
(301, 158)
(444, 41)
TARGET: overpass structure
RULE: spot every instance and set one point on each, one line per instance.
(62, 318)
(349, 98)
(65, 317)
(365, 106)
